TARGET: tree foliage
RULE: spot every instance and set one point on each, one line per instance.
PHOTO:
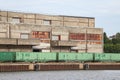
(106, 39)
(112, 44)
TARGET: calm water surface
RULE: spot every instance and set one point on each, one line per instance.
(61, 75)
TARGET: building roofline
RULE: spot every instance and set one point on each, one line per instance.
(47, 14)
(75, 16)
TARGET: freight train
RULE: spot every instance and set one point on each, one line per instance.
(58, 57)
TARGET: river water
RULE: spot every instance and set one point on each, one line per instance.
(62, 75)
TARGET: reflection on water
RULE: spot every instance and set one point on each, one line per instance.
(61, 75)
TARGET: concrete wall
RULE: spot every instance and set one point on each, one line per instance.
(4, 30)
(62, 32)
(20, 27)
(13, 48)
(20, 48)
(30, 18)
(17, 29)
(60, 49)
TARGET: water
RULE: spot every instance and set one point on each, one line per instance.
(61, 75)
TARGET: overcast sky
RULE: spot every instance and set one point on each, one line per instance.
(106, 12)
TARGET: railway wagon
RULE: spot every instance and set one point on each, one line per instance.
(67, 57)
(46, 56)
(107, 57)
(81, 57)
(115, 57)
(26, 56)
(85, 57)
(7, 56)
(35, 56)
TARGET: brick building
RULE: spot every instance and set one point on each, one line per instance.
(49, 33)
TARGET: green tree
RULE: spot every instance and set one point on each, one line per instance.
(116, 39)
(106, 39)
(112, 45)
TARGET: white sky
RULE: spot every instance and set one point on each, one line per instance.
(106, 12)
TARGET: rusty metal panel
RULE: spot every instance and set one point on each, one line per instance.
(77, 36)
(103, 66)
(40, 35)
(94, 37)
(13, 67)
(47, 67)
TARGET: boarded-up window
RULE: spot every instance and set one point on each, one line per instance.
(47, 22)
(40, 35)
(77, 36)
(81, 36)
(16, 20)
(94, 37)
(24, 36)
(56, 37)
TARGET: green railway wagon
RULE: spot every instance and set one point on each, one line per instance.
(7, 56)
(26, 56)
(84, 57)
(67, 56)
(115, 57)
(81, 57)
(103, 57)
(46, 56)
